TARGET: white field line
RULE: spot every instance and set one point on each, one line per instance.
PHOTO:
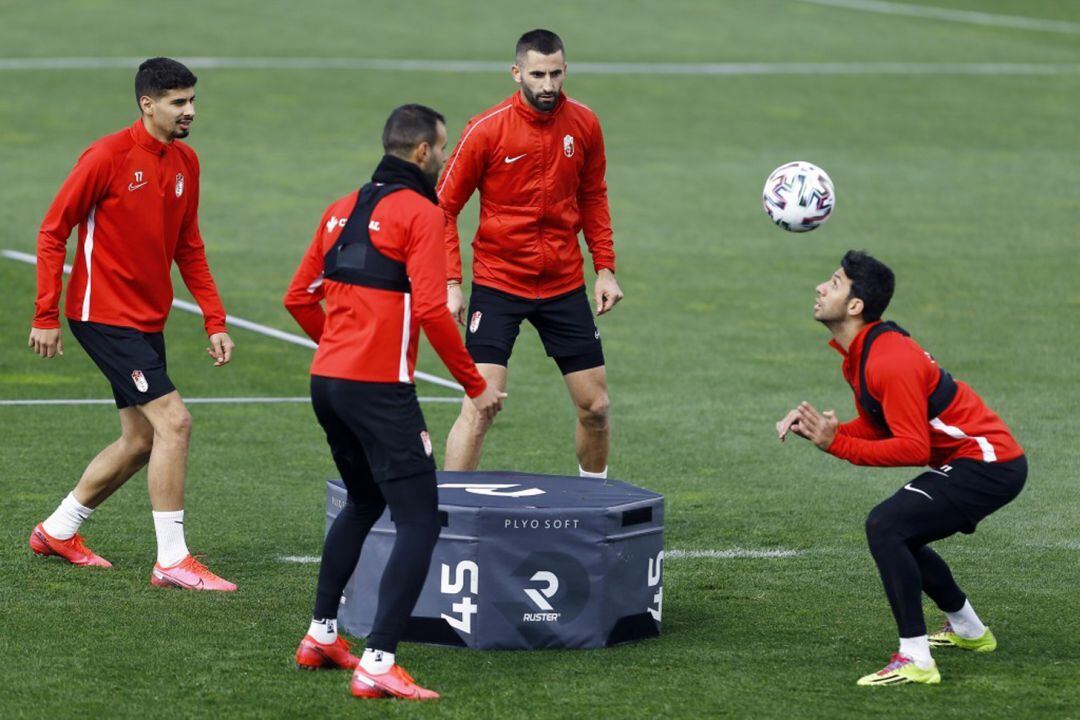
(1015, 22)
(582, 68)
(732, 553)
(197, 401)
(242, 323)
(735, 552)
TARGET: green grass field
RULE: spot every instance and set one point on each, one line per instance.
(964, 183)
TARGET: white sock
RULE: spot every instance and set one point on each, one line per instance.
(602, 475)
(376, 662)
(325, 630)
(171, 547)
(918, 649)
(65, 521)
(964, 621)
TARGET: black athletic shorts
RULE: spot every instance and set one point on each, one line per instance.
(376, 431)
(132, 361)
(565, 324)
(973, 488)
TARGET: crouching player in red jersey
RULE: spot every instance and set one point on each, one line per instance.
(378, 261)
(134, 196)
(911, 412)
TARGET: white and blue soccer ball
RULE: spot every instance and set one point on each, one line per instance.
(798, 196)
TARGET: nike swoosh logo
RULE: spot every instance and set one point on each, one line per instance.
(41, 537)
(509, 159)
(177, 582)
(917, 490)
(132, 187)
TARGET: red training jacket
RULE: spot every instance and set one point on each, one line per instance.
(541, 180)
(901, 376)
(368, 334)
(136, 202)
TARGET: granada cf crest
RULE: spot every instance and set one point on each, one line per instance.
(568, 146)
(426, 440)
(474, 321)
(140, 381)
(179, 184)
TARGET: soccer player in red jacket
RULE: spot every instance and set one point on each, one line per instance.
(377, 261)
(538, 161)
(134, 196)
(911, 412)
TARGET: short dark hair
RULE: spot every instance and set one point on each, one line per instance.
(871, 281)
(408, 126)
(158, 75)
(544, 42)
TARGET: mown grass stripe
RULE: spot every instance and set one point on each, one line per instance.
(579, 68)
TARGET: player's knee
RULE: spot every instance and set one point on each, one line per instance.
(420, 524)
(880, 526)
(366, 511)
(476, 423)
(176, 426)
(182, 423)
(596, 413)
(429, 530)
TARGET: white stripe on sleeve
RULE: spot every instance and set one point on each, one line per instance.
(406, 325)
(88, 250)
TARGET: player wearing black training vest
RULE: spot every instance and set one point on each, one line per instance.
(911, 412)
(378, 263)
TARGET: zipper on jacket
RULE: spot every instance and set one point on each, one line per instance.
(541, 244)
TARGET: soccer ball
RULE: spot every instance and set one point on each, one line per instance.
(798, 196)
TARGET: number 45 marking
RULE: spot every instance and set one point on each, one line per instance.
(464, 571)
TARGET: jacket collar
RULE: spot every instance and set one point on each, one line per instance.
(854, 351)
(522, 106)
(147, 141)
(395, 171)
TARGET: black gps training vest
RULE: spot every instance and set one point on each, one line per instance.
(353, 259)
(938, 401)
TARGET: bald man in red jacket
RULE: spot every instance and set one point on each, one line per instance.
(538, 160)
(377, 263)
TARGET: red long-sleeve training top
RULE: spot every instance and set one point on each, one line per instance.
(136, 203)
(901, 376)
(541, 181)
(368, 334)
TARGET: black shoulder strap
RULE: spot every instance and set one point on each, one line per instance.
(868, 402)
(939, 399)
(943, 394)
(353, 259)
